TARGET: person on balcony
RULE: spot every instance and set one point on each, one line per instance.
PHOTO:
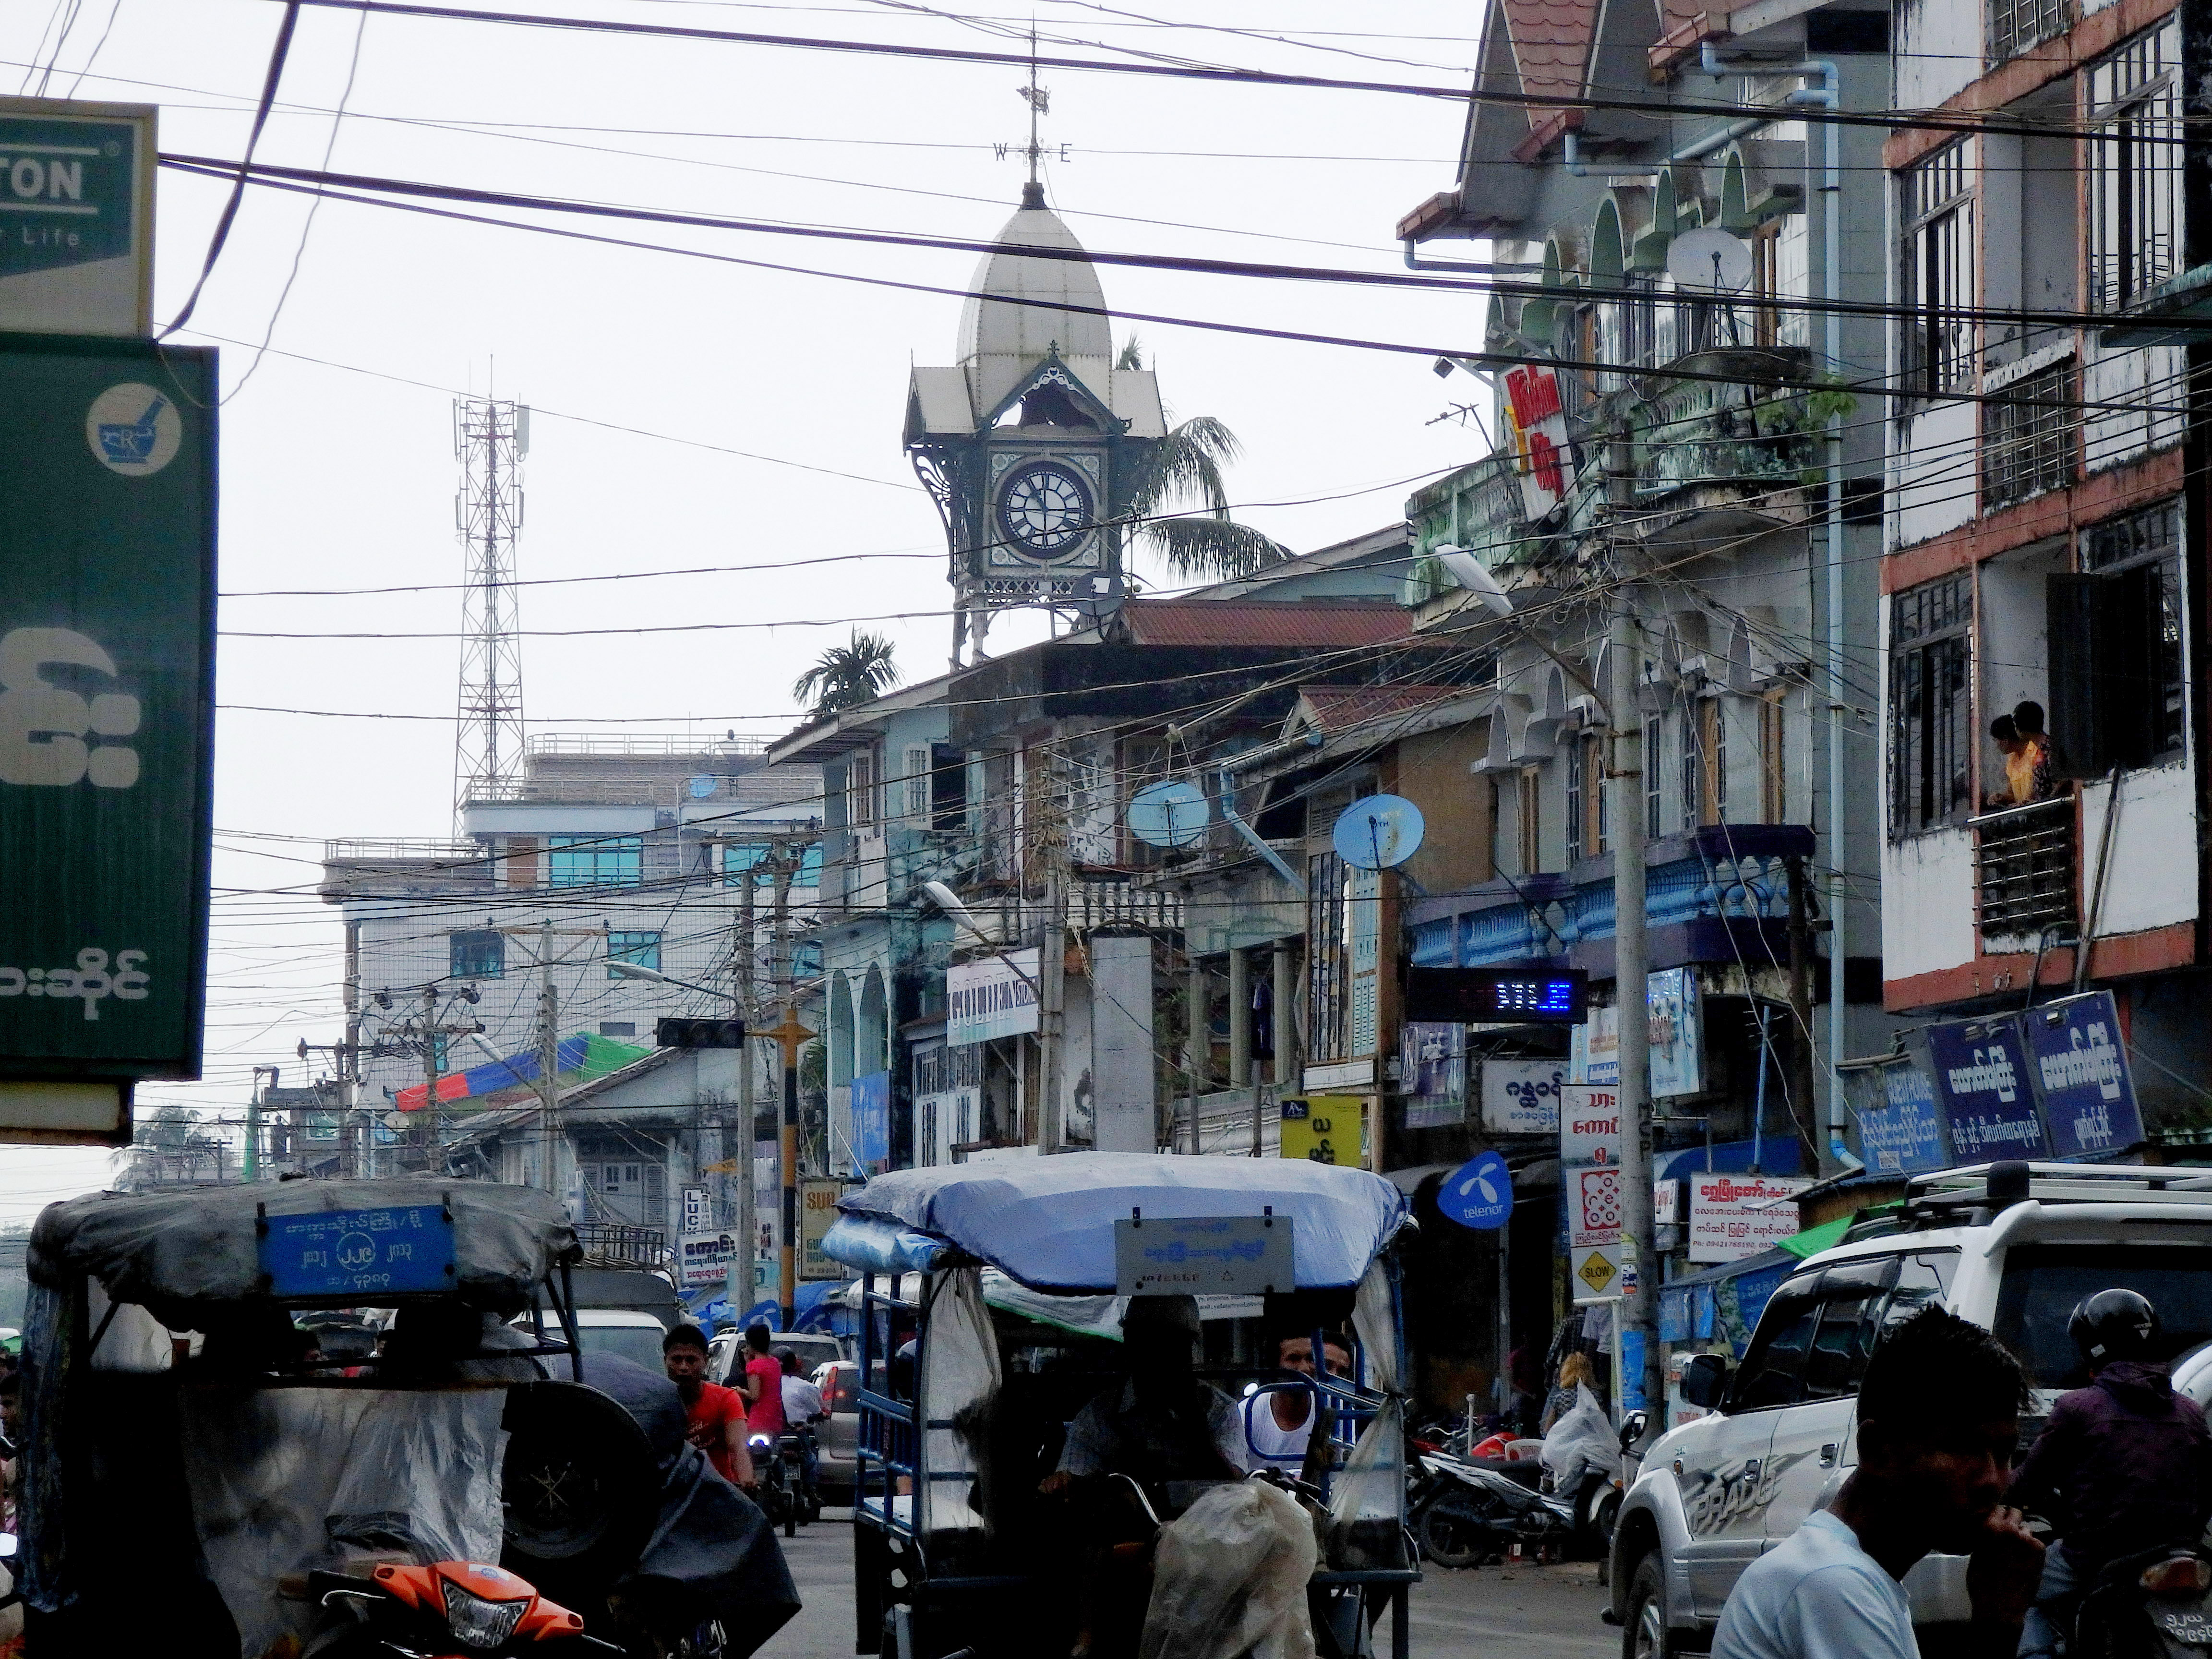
(2027, 758)
(2038, 751)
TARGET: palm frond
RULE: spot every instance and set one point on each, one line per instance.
(1213, 548)
(845, 676)
(1132, 355)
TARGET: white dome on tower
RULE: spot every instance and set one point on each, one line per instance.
(1001, 343)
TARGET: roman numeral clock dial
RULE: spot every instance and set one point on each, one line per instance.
(1045, 510)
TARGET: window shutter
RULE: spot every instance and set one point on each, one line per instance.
(2076, 722)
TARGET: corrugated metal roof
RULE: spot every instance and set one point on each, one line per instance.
(1298, 622)
(1339, 708)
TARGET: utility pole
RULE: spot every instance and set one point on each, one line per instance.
(549, 1060)
(791, 1036)
(1051, 970)
(739, 1291)
(1632, 969)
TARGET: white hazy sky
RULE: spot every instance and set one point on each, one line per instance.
(645, 368)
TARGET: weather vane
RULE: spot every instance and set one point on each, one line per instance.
(1039, 98)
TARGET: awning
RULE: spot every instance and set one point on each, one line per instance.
(579, 1059)
(1722, 1302)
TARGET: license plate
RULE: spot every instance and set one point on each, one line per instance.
(2192, 1625)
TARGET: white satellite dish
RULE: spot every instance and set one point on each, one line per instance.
(1709, 259)
(1473, 575)
(398, 1122)
(1169, 813)
(1378, 832)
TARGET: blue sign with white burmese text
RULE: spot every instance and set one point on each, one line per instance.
(2082, 1072)
(1901, 1130)
(872, 1118)
(407, 1249)
(1981, 1075)
(1478, 1193)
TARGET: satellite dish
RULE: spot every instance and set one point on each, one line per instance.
(397, 1121)
(1171, 813)
(1473, 574)
(1709, 259)
(1379, 833)
(703, 786)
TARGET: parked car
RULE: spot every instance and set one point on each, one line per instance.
(2011, 1247)
(634, 1336)
(837, 1466)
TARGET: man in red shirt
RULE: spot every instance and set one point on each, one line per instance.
(715, 1415)
(764, 1387)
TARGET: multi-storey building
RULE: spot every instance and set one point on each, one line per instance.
(2044, 533)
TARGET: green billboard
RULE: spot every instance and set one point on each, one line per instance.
(108, 470)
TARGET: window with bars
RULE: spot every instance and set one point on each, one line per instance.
(594, 860)
(860, 787)
(2016, 25)
(1578, 769)
(1705, 763)
(2028, 436)
(1529, 811)
(1938, 275)
(1930, 704)
(2119, 690)
(917, 787)
(1774, 758)
(1328, 960)
(2134, 171)
(1654, 788)
(1639, 321)
(1766, 281)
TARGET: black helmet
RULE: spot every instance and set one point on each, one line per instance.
(2112, 1325)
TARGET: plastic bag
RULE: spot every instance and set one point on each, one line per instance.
(1229, 1578)
(1581, 1443)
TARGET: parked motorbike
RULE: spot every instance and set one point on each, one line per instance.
(449, 1610)
(2155, 1605)
(1470, 1509)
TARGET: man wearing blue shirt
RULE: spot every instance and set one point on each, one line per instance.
(1938, 1420)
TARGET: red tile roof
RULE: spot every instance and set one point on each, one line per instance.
(1292, 622)
(1551, 48)
(1341, 708)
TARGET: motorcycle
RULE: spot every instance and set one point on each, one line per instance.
(1472, 1509)
(2154, 1605)
(777, 1493)
(791, 1454)
(448, 1610)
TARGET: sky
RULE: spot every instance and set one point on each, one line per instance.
(692, 411)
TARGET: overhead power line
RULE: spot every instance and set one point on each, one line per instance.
(1231, 75)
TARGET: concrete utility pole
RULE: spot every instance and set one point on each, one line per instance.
(1052, 972)
(739, 1290)
(792, 1037)
(549, 1060)
(1631, 970)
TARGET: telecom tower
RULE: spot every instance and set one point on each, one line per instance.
(490, 441)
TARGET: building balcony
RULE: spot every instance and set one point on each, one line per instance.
(1719, 894)
(1093, 901)
(2024, 869)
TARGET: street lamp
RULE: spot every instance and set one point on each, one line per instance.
(639, 971)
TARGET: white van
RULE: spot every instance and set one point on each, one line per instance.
(2011, 1247)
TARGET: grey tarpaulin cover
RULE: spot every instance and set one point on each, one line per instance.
(174, 1252)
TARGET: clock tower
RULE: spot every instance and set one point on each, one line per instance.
(1031, 444)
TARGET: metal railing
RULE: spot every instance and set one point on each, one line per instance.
(608, 1244)
(594, 743)
(467, 851)
(2024, 867)
(1094, 903)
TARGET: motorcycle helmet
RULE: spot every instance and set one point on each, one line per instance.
(2112, 1325)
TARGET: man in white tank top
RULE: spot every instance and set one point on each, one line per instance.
(1280, 1431)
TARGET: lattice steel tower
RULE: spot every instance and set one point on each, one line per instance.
(491, 439)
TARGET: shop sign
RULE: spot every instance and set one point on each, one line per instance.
(1323, 1129)
(704, 1259)
(817, 1212)
(1521, 1096)
(871, 1119)
(1589, 1124)
(1593, 1205)
(1675, 1012)
(990, 997)
(1478, 1193)
(2082, 1072)
(76, 196)
(1981, 1075)
(1433, 1073)
(1536, 425)
(1667, 1203)
(1734, 1216)
(1900, 1125)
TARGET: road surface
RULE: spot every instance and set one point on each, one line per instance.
(1531, 1613)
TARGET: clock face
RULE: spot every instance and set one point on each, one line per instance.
(1045, 509)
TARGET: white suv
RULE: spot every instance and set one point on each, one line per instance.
(2011, 1247)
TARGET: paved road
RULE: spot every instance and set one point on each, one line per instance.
(1530, 1613)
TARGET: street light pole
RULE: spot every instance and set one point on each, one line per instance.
(1632, 969)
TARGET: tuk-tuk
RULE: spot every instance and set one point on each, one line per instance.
(199, 1477)
(992, 1297)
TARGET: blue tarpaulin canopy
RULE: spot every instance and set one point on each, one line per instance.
(1048, 1222)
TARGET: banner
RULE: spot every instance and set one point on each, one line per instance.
(1521, 1096)
(990, 997)
(1674, 1015)
(871, 1119)
(1734, 1216)
(1433, 1073)
(1981, 1075)
(2080, 1068)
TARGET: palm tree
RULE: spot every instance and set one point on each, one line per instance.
(1183, 470)
(846, 676)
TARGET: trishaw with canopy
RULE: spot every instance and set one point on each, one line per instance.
(992, 1297)
(199, 1477)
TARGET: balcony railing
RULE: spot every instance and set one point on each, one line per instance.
(1705, 434)
(1094, 903)
(2024, 868)
(611, 1244)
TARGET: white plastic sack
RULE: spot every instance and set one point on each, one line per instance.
(1580, 1442)
(1229, 1578)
